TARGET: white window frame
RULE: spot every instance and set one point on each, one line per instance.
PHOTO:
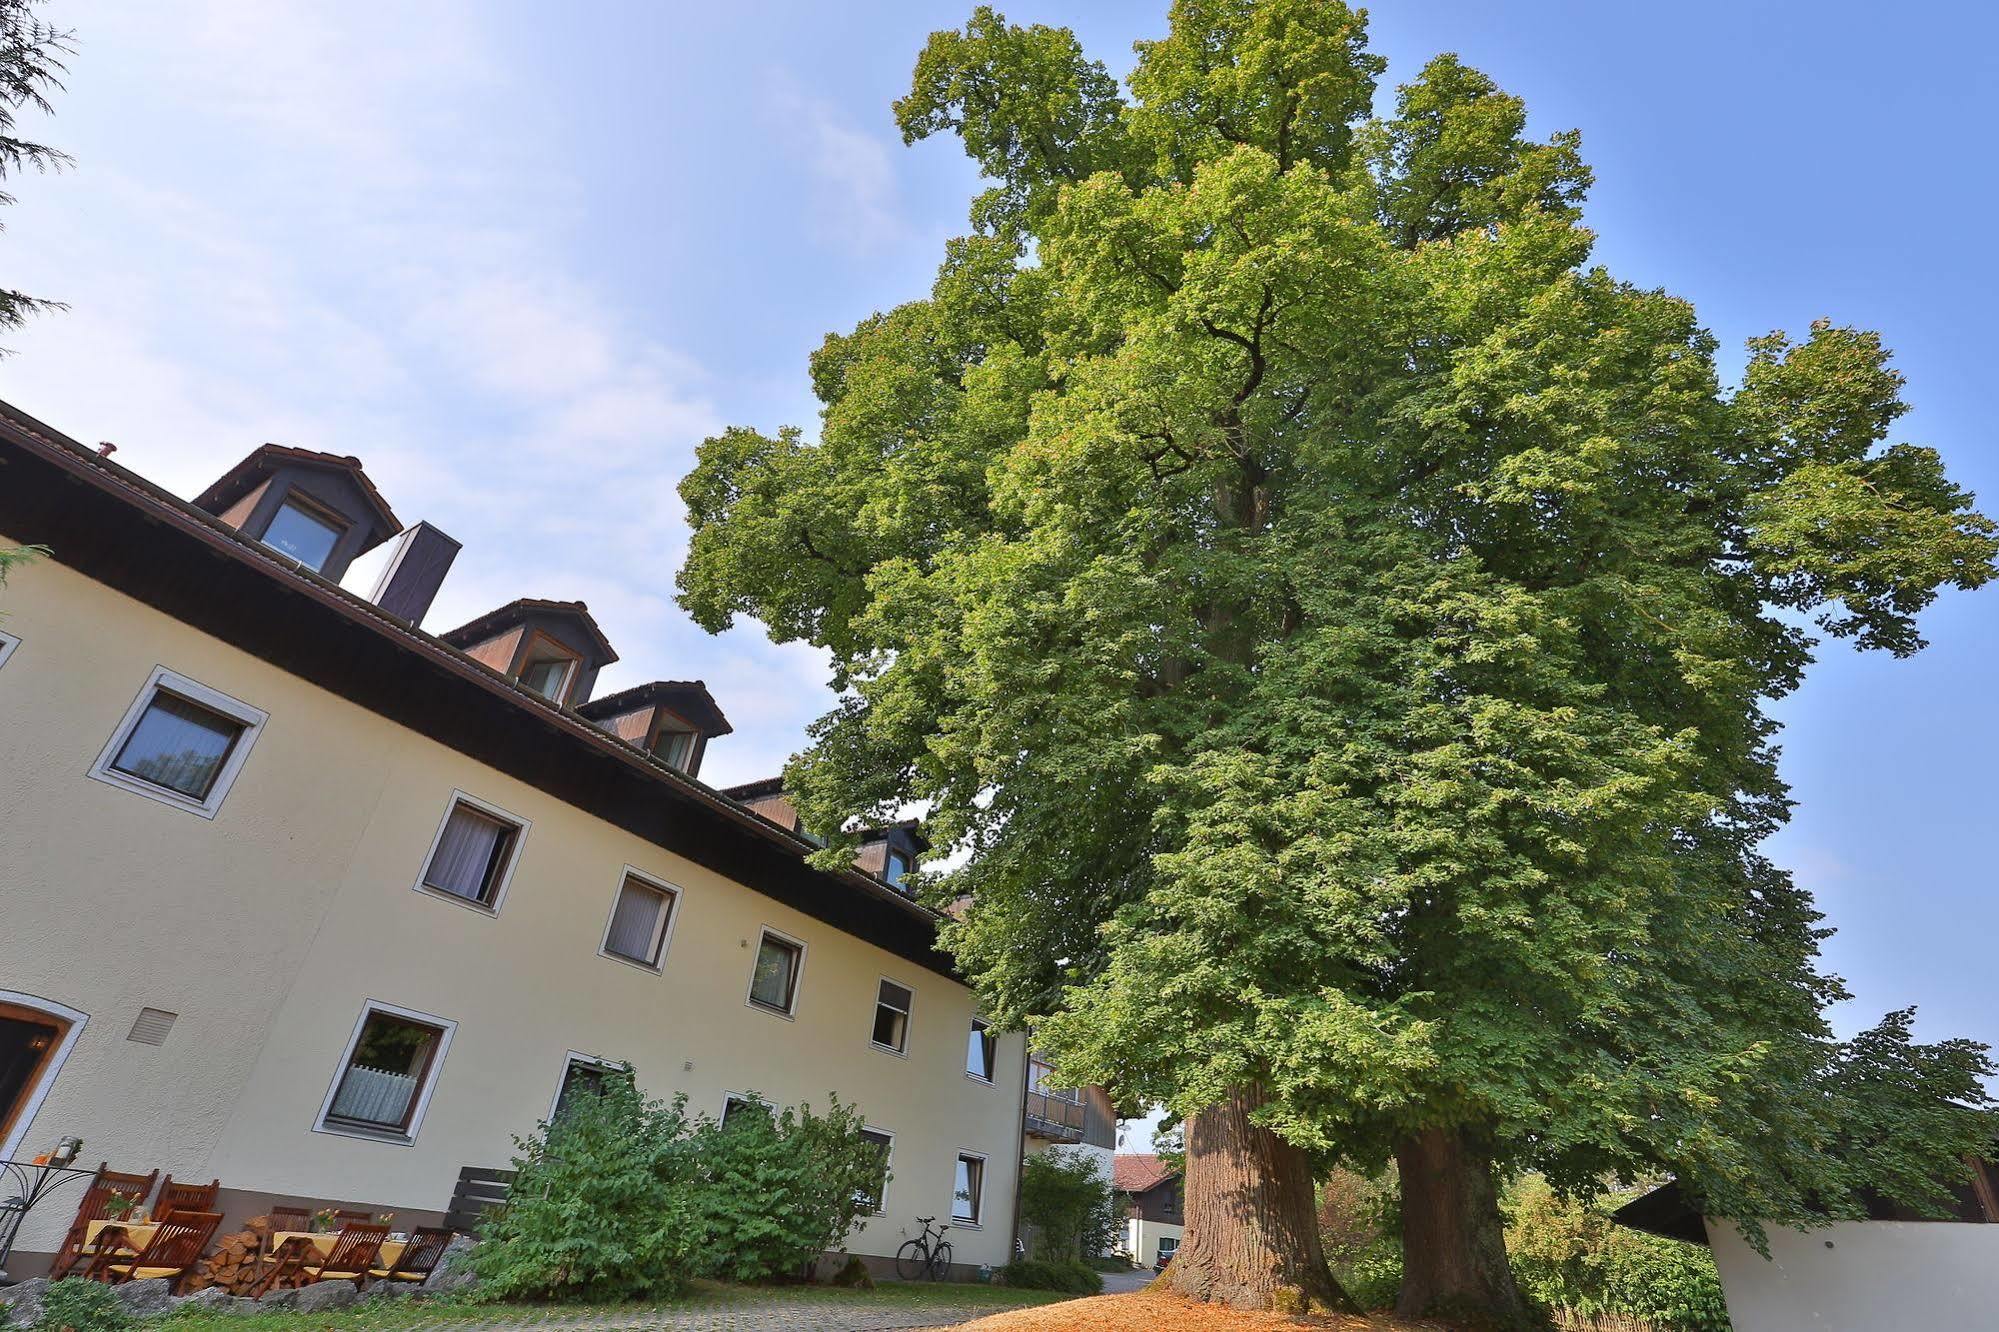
(888, 1167)
(571, 1058)
(979, 1207)
(8, 642)
(672, 892)
(172, 682)
(31, 1104)
(407, 1137)
(969, 1075)
(506, 877)
(908, 1017)
(789, 1014)
(748, 1098)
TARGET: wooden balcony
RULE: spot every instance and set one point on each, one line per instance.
(1053, 1118)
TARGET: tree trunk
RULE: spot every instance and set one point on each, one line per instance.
(1453, 1239)
(1252, 1237)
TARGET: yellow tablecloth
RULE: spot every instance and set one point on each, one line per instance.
(322, 1243)
(135, 1235)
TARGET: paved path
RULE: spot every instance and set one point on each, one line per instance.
(1124, 1283)
(750, 1313)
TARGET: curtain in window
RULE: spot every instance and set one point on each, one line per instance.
(465, 854)
(178, 745)
(979, 1052)
(965, 1200)
(772, 983)
(374, 1096)
(635, 924)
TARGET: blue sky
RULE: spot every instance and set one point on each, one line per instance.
(521, 258)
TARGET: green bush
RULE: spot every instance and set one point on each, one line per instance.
(602, 1206)
(1071, 1276)
(1360, 1225)
(83, 1306)
(773, 1191)
(1070, 1204)
(621, 1197)
(1569, 1256)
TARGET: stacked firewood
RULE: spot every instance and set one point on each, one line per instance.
(236, 1260)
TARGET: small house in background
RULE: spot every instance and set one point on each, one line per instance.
(1152, 1195)
(1890, 1272)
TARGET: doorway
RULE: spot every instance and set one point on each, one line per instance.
(35, 1037)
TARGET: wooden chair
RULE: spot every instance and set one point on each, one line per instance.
(419, 1257)
(172, 1252)
(185, 1197)
(107, 1184)
(352, 1256)
(348, 1217)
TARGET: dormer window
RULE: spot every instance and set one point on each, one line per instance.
(675, 748)
(549, 675)
(305, 532)
(895, 868)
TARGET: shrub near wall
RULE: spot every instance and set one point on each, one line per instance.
(622, 1197)
(1571, 1258)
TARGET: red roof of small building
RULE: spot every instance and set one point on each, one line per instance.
(1136, 1172)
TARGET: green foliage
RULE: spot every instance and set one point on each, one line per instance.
(621, 1197)
(1568, 1255)
(774, 1191)
(1332, 627)
(603, 1207)
(1360, 1227)
(1071, 1275)
(31, 67)
(1070, 1204)
(77, 1305)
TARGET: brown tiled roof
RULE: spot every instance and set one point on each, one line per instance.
(687, 698)
(1135, 1172)
(239, 480)
(763, 786)
(501, 617)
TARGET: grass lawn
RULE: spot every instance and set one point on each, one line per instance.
(402, 1315)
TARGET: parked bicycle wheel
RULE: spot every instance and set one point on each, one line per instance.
(912, 1260)
(940, 1263)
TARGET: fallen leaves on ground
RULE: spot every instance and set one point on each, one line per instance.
(1150, 1312)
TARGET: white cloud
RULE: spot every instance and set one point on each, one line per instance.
(351, 259)
(853, 204)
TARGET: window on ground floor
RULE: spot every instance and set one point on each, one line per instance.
(874, 1199)
(969, 1195)
(388, 1071)
(583, 1076)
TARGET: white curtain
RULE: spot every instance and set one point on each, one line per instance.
(635, 923)
(374, 1096)
(178, 745)
(464, 854)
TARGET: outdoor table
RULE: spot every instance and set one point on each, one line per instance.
(136, 1233)
(321, 1242)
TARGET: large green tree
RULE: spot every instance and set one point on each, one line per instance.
(1336, 624)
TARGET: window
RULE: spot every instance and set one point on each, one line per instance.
(583, 1075)
(735, 1106)
(969, 1194)
(304, 532)
(641, 919)
(387, 1073)
(1041, 1079)
(894, 868)
(979, 1051)
(875, 1198)
(180, 743)
(548, 667)
(675, 748)
(892, 1003)
(774, 983)
(474, 853)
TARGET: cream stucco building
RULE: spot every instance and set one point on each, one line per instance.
(299, 897)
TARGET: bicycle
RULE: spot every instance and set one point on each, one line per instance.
(920, 1258)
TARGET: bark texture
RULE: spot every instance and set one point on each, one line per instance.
(1453, 1237)
(1252, 1236)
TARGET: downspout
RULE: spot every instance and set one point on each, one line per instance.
(1020, 1150)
